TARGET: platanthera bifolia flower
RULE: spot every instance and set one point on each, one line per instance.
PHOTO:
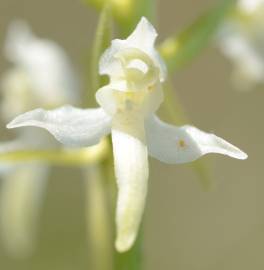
(127, 111)
(41, 75)
(241, 39)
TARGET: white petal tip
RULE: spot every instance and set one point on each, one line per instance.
(234, 152)
(14, 124)
(11, 125)
(124, 243)
(241, 155)
(30, 118)
(145, 23)
(144, 20)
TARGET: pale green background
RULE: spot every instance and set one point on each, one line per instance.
(186, 228)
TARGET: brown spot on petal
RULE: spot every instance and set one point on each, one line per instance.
(182, 143)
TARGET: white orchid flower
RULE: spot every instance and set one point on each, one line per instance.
(241, 40)
(41, 75)
(128, 104)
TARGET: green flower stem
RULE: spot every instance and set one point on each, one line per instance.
(101, 42)
(64, 157)
(99, 196)
(99, 218)
(173, 110)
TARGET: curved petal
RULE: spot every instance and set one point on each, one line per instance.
(171, 144)
(131, 168)
(144, 35)
(20, 200)
(143, 38)
(70, 126)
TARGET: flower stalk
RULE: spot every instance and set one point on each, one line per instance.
(20, 202)
(98, 215)
(62, 157)
(101, 42)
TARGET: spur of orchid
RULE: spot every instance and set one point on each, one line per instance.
(127, 111)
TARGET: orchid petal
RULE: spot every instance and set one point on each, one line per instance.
(131, 169)
(20, 200)
(173, 144)
(69, 125)
(143, 38)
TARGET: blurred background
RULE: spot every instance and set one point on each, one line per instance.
(186, 227)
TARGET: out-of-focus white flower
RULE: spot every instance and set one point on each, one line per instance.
(128, 104)
(20, 200)
(41, 75)
(241, 39)
(249, 6)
